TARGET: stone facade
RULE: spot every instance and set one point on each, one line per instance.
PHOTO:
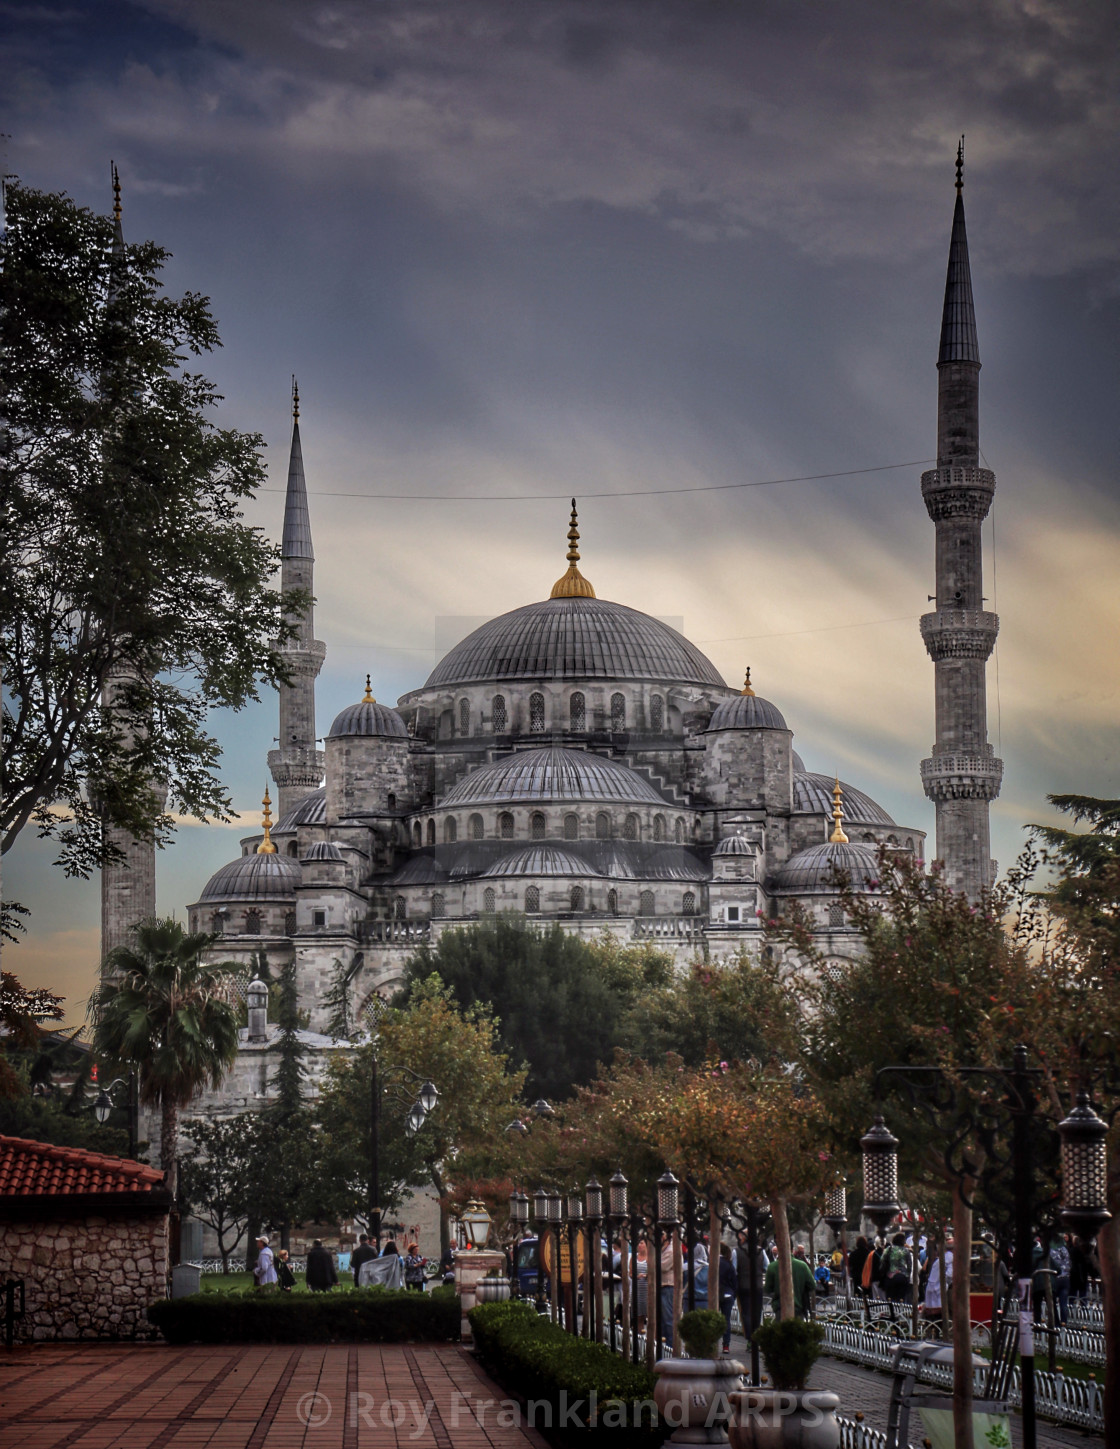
(87, 1277)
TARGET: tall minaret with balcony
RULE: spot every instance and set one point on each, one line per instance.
(962, 776)
(297, 766)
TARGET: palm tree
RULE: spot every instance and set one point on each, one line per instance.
(163, 1010)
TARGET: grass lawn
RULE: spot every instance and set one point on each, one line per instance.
(235, 1282)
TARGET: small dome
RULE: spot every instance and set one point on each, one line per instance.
(812, 794)
(253, 878)
(367, 717)
(540, 860)
(747, 712)
(734, 845)
(798, 764)
(551, 774)
(815, 871)
(323, 850)
(311, 810)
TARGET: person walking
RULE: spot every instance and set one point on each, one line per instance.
(749, 1312)
(936, 1292)
(414, 1266)
(665, 1321)
(728, 1288)
(284, 1275)
(361, 1254)
(803, 1285)
(264, 1273)
(895, 1269)
(321, 1272)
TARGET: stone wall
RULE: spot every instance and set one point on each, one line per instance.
(89, 1277)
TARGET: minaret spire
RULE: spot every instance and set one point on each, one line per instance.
(837, 837)
(297, 765)
(962, 777)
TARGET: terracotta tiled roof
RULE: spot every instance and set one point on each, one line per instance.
(35, 1169)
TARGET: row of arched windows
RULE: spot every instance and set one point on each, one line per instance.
(631, 828)
(577, 901)
(577, 714)
(253, 923)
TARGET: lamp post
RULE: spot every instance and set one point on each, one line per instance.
(593, 1202)
(667, 1198)
(380, 1085)
(575, 1224)
(555, 1215)
(103, 1105)
(619, 1204)
(476, 1223)
(540, 1212)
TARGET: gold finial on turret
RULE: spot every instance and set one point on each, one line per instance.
(837, 837)
(266, 846)
(368, 698)
(960, 165)
(116, 175)
(295, 399)
(573, 585)
(746, 689)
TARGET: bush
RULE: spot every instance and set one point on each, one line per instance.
(532, 1357)
(790, 1347)
(701, 1331)
(360, 1315)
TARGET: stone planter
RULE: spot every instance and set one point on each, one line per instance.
(784, 1419)
(491, 1290)
(694, 1397)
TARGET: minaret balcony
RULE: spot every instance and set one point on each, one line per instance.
(297, 767)
(962, 777)
(958, 492)
(960, 633)
(303, 658)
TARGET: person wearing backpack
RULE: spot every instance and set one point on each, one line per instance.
(895, 1269)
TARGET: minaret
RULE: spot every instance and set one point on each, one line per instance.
(963, 776)
(128, 883)
(297, 766)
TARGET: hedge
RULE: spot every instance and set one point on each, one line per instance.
(356, 1315)
(540, 1362)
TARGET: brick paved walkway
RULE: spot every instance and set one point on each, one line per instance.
(358, 1396)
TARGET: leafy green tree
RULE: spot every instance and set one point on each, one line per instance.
(125, 552)
(560, 1002)
(163, 1010)
(22, 1014)
(216, 1175)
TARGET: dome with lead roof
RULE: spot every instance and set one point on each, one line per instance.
(812, 794)
(747, 711)
(537, 776)
(819, 870)
(311, 810)
(540, 860)
(367, 717)
(253, 878)
(734, 845)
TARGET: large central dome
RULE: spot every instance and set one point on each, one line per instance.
(574, 638)
(552, 774)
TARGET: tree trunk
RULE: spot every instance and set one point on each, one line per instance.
(715, 1235)
(169, 1144)
(962, 1325)
(627, 1248)
(1108, 1250)
(945, 1290)
(785, 1255)
(678, 1291)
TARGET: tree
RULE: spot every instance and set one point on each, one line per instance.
(216, 1176)
(22, 1013)
(560, 1001)
(126, 556)
(162, 1009)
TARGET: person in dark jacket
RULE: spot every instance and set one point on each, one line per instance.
(750, 1313)
(728, 1288)
(321, 1272)
(361, 1254)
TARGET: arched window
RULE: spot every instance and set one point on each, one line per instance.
(218, 923)
(501, 719)
(390, 801)
(645, 903)
(400, 908)
(835, 915)
(678, 831)
(475, 827)
(657, 714)
(450, 830)
(431, 832)
(439, 907)
(417, 833)
(659, 827)
(532, 901)
(290, 924)
(631, 829)
(536, 714)
(464, 716)
(489, 900)
(571, 827)
(618, 713)
(892, 839)
(577, 713)
(293, 847)
(252, 923)
(536, 826)
(910, 844)
(612, 902)
(688, 904)
(577, 898)
(868, 838)
(602, 826)
(505, 825)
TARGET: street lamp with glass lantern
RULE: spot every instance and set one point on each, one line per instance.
(1084, 1170)
(668, 1191)
(880, 1174)
(476, 1223)
(555, 1214)
(593, 1205)
(103, 1106)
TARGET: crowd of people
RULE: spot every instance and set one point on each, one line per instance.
(394, 1269)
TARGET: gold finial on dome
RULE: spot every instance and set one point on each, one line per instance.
(116, 175)
(368, 698)
(573, 585)
(746, 689)
(266, 846)
(837, 837)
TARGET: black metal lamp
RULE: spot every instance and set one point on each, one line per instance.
(1084, 1170)
(880, 1174)
(593, 1199)
(620, 1195)
(540, 1204)
(668, 1189)
(415, 1119)
(102, 1107)
(518, 1208)
(521, 1128)
(428, 1097)
(555, 1207)
(836, 1209)
(542, 1109)
(575, 1206)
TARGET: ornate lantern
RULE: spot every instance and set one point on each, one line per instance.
(620, 1196)
(836, 1209)
(1084, 1170)
(667, 1191)
(594, 1200)
(575, 1206)
(880, 1174)
(540, 1204)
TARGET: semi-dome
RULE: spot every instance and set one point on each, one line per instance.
(570, 637)
(311, 810)
(816, 871)
(812, 794)
(734, 845)
(367, 717)
(253, 878)
(540, 860)
(537, 776)
(323, 850)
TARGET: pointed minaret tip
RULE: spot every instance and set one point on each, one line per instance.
(297, 521)
(746, 689)
(958, 316)
(573, 585)
(368, 698)
(837, 837)
(266, 846)
(960, 166)
(116, 175)
(295, 400)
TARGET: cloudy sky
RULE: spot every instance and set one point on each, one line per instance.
(646, 253)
